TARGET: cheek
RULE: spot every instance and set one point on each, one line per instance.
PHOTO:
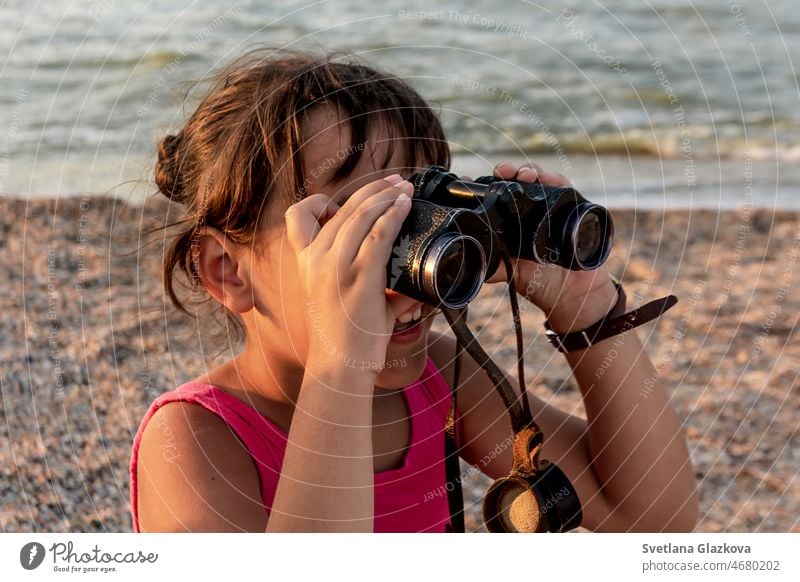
(276, 286)
(291, 301)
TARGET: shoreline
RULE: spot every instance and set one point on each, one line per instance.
(620, 182)
(89, 340)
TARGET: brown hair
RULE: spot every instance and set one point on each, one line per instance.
(240, 152)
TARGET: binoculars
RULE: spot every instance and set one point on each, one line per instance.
(451, 240)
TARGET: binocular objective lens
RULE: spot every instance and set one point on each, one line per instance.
(452, 278)
(589, 237)
(455, 269)
(591, 231)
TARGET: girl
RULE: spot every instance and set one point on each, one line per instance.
(291, 172)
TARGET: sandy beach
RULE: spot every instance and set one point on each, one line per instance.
(88, 339)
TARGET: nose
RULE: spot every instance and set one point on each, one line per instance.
(393, 296)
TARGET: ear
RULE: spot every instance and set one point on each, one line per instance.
(224, 269)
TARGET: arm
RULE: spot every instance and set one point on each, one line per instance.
(326, 482)
(194, 475)
(628, 461)
(636, 442)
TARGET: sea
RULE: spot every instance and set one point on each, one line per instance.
(649, 103)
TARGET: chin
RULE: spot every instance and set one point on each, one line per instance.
(405, 362)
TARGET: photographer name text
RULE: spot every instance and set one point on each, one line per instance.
(704, 548)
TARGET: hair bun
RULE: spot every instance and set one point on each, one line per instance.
(168, 177)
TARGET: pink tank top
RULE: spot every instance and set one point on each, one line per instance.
(410, 498)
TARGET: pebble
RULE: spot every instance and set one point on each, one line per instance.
(89, 345)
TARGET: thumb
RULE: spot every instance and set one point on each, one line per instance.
(304, 219)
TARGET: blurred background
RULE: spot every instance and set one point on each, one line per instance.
(87, 85)
(680, 115)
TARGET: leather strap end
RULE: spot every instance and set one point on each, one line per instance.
(606, 328)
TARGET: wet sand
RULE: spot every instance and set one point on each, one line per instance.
(88, 339)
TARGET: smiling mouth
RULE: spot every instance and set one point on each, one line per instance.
(412, 320)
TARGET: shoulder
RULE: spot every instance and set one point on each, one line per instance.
(194, 474)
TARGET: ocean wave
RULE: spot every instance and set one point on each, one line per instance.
(689, 142)
(143, 62)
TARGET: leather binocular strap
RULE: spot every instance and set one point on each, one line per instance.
(609, 326)
(520, 414)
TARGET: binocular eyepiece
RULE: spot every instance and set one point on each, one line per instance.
(451, 240)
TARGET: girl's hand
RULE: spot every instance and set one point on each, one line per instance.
(342, 253)
(571, 300)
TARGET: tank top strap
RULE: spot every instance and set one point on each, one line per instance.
(241, 417)
(263, 439)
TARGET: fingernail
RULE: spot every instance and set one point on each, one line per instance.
(402, 199)
(394, 178)
(405, 185)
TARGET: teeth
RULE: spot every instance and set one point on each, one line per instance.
(409, 317)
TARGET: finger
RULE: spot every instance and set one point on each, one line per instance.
(466, 178)
(376, 249)
(554, 179)
(305, 219)
(527, 173)
(532, 167)
(505, 171)
(532, 172)
(353, 232)
(498, 275)
(328, 236)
